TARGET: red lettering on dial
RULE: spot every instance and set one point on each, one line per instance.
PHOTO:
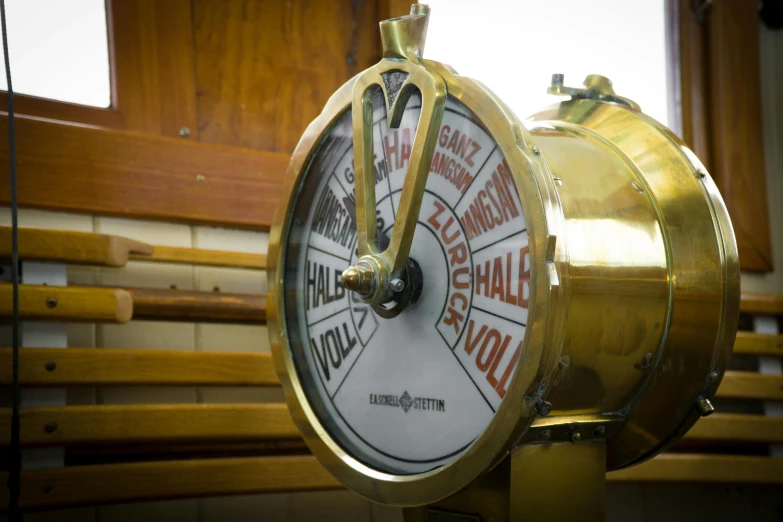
(494, 205)
(492, 346)
(501, 279)
(454, 240)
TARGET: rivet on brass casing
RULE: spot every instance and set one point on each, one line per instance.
(646, 361)
(544, 408)
(705, 407)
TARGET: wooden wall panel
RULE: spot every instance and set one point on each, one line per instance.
(738, 142)
(132, 48)
(176, 68)
(151, 53)
(721, 114)
(264, 69)
(106, 172)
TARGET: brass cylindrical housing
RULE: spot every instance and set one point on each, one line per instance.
(650, 267)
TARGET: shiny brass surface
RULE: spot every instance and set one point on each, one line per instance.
(597, 87)
(556, 482)
(486, 499)
(653, 262)
(403, 42)
(542, 483)
(634, 279)
(359, 279)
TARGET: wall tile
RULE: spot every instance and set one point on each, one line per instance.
(232, 338)
(251, 508)
(152, 232)
(330, 506)
(324, 506)
(81, 335)
(162, 335)
(234, 280)
(47, 219)
(232, 240)
(143, 274)
(86, 514)
(229, 395)
(147, 395)
(82, 275)
(167, 511)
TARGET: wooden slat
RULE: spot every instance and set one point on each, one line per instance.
(79, 248)
(749, 343)
(183, 305)
(764, 304)
(67, 303)
(134, 367)
(751, 385)
(139, 424)
(113, 483)
(231, 423)
(197, 256)
(106, 367)
(87, 169)
(688, 468)
(738, 427)
(92, 454)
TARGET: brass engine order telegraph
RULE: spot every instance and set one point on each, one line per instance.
(464, 306)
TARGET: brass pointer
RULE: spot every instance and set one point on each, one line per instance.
(377, 273)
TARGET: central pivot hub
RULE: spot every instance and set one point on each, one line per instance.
(361, 279)
(371, 281)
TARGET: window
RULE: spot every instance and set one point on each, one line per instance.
(59, 50)
(514, 47)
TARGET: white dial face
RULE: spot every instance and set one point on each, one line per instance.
(411, 393)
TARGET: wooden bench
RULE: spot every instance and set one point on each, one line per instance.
(125, 453)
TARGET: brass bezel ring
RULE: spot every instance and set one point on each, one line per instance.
(534, 370)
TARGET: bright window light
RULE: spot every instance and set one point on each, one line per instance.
(59, 50)
(514, 47)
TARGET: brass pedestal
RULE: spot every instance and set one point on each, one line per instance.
(541, 483)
